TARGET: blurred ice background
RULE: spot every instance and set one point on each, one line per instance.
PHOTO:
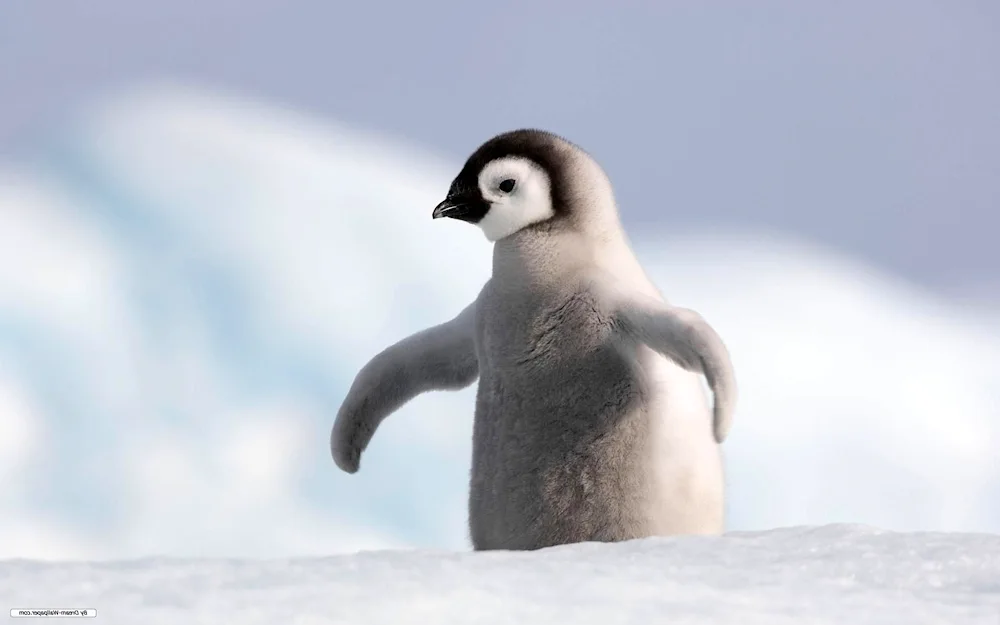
(212, 214)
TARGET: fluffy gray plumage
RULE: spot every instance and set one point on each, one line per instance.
(591, 423)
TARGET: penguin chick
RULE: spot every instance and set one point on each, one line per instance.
(591, 422)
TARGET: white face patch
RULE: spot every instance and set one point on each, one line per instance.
(527, 202)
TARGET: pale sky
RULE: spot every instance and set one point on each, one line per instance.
(868, 127)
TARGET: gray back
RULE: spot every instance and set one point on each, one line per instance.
(558, 418)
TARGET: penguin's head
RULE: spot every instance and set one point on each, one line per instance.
(516, 180)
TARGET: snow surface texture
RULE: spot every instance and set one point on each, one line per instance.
(189, 282)
(834, 574)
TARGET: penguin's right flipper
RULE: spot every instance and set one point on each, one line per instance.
(686, 338)
(442, 357)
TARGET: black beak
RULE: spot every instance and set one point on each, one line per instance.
(453, 206)
(463, 206)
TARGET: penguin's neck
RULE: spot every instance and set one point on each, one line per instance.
(552, 256)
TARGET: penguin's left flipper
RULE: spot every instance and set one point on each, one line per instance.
(442, 357)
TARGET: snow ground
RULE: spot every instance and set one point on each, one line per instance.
(841, 574)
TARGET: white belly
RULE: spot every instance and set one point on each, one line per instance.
(685, 462)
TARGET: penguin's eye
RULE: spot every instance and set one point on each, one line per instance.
(507, 185)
